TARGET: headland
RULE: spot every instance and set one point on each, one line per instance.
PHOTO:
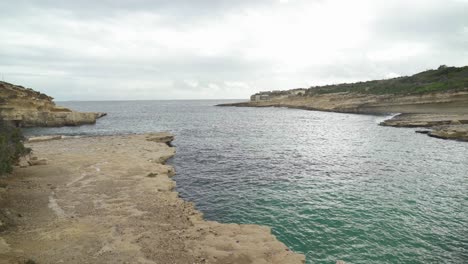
(25, 107)
(435, 99)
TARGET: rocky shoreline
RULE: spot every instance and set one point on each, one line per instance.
(25, 107)
(444, 126)
(437, 103)
(445, 113)
(111, 200)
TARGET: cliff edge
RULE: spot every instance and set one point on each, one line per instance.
(28, 108)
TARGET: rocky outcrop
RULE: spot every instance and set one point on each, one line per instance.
(44, 138)
(426, 120)
(25, 107)
(456, 132)
(445, 126)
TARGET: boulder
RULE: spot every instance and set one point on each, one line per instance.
(43, 138)
(162, 137)
(35, 162)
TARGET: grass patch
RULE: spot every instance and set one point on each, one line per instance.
(152, 175)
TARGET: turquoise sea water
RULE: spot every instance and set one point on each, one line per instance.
(332, 186)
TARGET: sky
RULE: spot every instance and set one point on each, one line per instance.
(221, 49)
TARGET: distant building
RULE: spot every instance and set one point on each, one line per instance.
(277, 95)
(296, 92)
(262, 96)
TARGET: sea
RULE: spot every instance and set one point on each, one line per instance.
(332, 186)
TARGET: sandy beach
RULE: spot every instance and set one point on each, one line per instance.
(112, 200)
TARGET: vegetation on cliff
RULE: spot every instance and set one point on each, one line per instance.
(442, 79)
(11, 146)
(10, 91)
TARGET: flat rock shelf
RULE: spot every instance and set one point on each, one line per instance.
(111, 199)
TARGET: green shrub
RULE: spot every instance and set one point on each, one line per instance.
(11, 146)
(152, 175)
(440, 80)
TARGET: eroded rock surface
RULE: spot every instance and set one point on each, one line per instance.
(27, 108)
(426, 120)
(111, 200)
(445, 126)
(457, 132)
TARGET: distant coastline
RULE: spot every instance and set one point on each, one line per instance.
(435, 99)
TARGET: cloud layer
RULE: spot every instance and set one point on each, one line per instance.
(111, 50)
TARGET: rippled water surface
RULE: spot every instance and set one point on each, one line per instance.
(332, 186)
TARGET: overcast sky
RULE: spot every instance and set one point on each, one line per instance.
(210, 49)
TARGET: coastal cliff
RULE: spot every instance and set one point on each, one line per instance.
(111, 199)
(442, 93)
(434, 102)
(25, 107)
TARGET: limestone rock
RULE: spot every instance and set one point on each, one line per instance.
(425, 120)
(121, 208)
(448, 102)
(4, 247)
(43, 138)
(162, 137)
(35, 162)
(23, 162)
(456, 132)
(25, 107)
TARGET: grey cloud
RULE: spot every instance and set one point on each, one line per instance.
(441, 25)
(423, 21)
(175, 9)
(56, 63)
(217, 68)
